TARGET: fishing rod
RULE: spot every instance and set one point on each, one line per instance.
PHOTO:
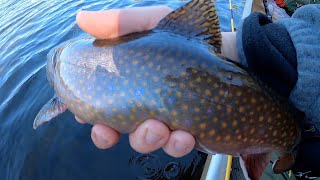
(232, 20)
(229, 162)
(267, 10)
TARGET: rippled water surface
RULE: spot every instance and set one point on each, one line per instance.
(63, 149)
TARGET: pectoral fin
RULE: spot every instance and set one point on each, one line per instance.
(284, 163)
(51, 109)
(253, 165)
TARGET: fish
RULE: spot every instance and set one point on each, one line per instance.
(174, 73)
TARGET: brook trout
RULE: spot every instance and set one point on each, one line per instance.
(174, 74)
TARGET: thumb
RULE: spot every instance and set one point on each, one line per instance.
(118, 22)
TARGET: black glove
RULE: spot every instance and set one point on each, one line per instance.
(271, 55)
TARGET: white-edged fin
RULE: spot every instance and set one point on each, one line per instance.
(253, 165)
(244, 170)
(51, 109)
(284, 163)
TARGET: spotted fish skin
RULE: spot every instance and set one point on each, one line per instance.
(174, 74)
(174, 79)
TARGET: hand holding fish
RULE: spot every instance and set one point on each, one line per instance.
(152, 134)
(173, 72)
(119, 22)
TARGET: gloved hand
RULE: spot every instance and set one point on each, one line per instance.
(271, 55)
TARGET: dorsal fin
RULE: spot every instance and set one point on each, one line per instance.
(197, 19)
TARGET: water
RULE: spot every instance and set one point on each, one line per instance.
(63, 149)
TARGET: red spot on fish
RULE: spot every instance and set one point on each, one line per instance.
(210, 110)
(143, 115)
(187, 122)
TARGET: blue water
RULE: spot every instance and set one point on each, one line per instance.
(62, 149)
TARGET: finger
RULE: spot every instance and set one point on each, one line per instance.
(103, 136)
(79, 120)
(119, 22)
(180, 143)
(149, 136)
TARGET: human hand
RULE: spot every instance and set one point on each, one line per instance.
(152, 134)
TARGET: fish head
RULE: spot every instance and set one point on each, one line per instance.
(62, 52)
(52, 58)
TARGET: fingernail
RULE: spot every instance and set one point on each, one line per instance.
(82, 11)
(80, 120)
(152, 138)
(180, 147)
(101, 139)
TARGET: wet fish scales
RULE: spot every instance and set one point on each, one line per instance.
(219, 103)
(174, 76)
(142, 90)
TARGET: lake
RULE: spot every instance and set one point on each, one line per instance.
(62, 149)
